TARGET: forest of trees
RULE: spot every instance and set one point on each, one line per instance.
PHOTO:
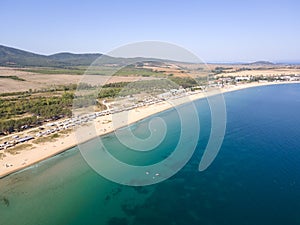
(20, 112)
(146, 86)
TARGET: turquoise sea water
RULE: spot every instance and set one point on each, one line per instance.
(255, 179)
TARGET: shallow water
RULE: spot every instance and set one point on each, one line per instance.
(255, 179)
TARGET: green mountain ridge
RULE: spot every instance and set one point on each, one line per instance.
(19, 58)
(13, 57)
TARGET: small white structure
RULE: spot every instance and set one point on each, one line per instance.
(242, 78)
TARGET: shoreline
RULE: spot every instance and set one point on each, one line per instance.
(103, 125)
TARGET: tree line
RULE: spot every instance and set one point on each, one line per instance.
(19, 113)
(21, 110)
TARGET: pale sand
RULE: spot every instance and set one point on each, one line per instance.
(100, 126)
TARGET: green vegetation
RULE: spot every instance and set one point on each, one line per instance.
(46, 138)
(19, 58)
(243, 69)
(45, 107)
(14, 93)
(56, 135)
(15, 150)
(145, 86)
(56, 88)
(109, 92)
(220, 69)
(266, 78)
(12, 77)
(10, 125)
(22, 112)
(85, 100)
(67, 131)
(185, 82)
(72, 71)
(132, 70)
(115, 85)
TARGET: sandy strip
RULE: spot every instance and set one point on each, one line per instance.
(100, 126)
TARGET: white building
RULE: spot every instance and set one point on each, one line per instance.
(242, 78)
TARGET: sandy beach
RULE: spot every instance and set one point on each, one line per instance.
(38, 152)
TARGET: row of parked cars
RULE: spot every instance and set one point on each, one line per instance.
(79, 120)
(15, 140)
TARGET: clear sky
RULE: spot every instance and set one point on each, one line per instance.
(216, 31)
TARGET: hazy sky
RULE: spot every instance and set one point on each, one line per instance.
(213, 30)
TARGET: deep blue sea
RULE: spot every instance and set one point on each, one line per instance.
(254, 180)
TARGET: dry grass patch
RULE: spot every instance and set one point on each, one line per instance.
(67, 131)
(15, 150)
(46, 139)
(2, 155)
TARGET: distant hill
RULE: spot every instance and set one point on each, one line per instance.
(18, 58)
(261, 63)
(15, 57)
(74, 59)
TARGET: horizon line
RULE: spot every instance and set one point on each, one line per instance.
(292, 61)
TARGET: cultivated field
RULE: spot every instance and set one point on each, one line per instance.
(37, 81)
